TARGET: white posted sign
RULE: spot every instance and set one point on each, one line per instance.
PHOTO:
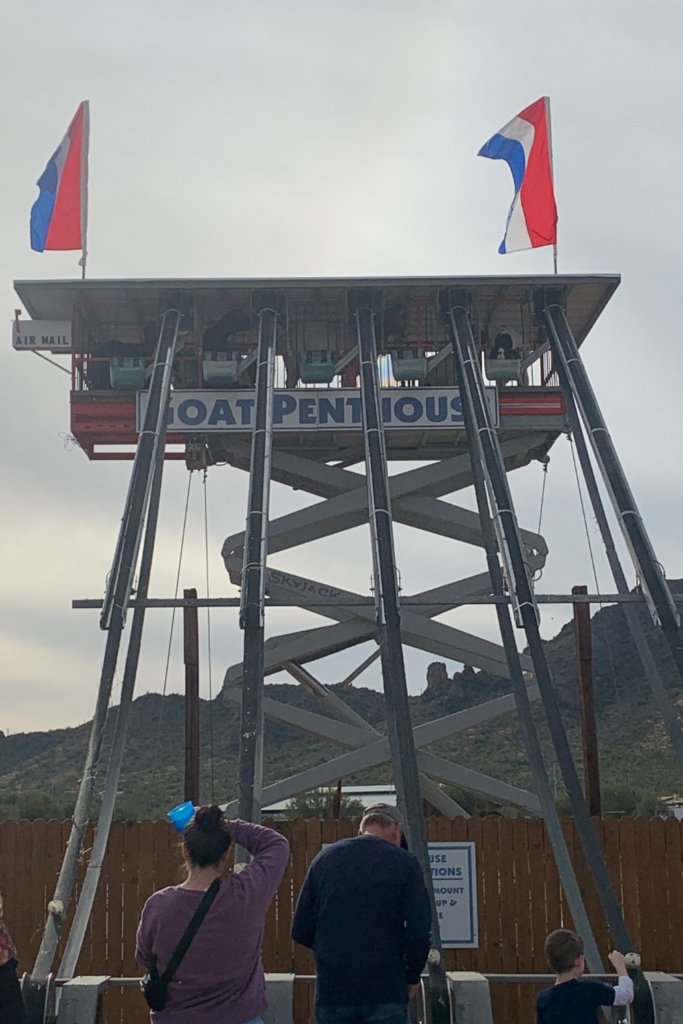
(454, 876)
(42, 335)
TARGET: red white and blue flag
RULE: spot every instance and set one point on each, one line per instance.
(524, 143)
(59, 215)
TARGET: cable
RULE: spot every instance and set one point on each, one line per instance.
(208, 637)
(595, 574)
(168, 651)
(583, 513)
(545, 480)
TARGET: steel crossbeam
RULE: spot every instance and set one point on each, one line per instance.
(357, 625)
(414, 497)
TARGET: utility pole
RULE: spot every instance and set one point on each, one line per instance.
(191, 659)
(589, 733)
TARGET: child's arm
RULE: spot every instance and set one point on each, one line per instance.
(623, 993)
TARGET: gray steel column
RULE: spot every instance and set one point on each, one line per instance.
(79, 926)
(521, 591)
(253, 574)
(401, 740)
(113, 619)
(524, 712)
(633, 614)
(649, 570)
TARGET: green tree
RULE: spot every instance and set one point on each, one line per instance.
(319, 803)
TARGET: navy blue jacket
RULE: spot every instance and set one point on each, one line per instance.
(364, 911)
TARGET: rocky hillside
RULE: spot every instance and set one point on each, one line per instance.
(634, 747)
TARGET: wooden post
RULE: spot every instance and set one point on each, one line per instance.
(584, 655)
(191, 659)
(337, 801)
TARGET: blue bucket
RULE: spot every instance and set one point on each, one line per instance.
(182, 815)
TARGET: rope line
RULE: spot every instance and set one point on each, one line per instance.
(583, 513)
(543, 495)
(595, 574)
(168, 650)
(208, 638)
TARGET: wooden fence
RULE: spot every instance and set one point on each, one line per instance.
(519, 895)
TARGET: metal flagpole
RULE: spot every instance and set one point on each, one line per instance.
(552, 166)
(85, 147)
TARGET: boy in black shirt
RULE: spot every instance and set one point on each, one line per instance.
(571, 1001)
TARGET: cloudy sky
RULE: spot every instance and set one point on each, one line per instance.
(313, 137)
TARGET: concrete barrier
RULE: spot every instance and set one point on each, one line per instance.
(667, 996)
(79, 999)
(280, 996)
(470, 997)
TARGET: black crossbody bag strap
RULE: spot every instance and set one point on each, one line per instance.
(191, 930)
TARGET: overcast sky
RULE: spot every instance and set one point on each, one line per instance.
(312, 137)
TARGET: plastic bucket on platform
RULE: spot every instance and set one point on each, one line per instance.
(182, 815)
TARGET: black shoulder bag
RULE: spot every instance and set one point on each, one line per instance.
(154, 985)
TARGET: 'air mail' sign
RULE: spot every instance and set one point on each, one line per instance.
(325, 409)
(42, 335)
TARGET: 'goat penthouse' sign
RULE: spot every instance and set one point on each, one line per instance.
(300, 409)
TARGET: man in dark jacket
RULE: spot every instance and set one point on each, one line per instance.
(364, 911)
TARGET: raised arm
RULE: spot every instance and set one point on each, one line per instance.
(623, 993)
(270, 852)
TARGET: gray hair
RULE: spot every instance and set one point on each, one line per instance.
(377, 818)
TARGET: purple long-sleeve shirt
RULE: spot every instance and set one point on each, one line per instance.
(221, 979)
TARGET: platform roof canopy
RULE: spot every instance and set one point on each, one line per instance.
(317, 309)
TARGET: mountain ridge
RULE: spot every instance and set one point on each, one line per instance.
(634, 748)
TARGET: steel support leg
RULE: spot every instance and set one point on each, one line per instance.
(524, 712)
(632, 613)
(522, 593)
(86, 898)
(400, 731)
(113, 618)
(253, 576)
(649, 570)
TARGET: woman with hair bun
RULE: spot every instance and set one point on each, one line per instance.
(220, 980)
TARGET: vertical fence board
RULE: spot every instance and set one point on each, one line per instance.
(129, 997)
(474, 833)
(660, 896)
(591, 898)
(507, 915)
(645, 891)
(23, 924)
(285, 951)
(113, 964)
(610, 835)
(553, 900)
(8, 886)
(490, 919)
(539, 923)
(301, 957)
(674, 888)
(629, 878)
(520, 839)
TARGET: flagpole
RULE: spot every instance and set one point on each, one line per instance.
(84, 186)
(552, 166)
